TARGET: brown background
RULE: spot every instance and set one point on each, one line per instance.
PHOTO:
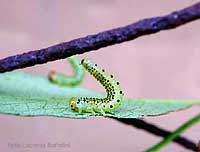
(163, 65)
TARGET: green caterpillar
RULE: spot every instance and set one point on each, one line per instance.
(99, 105)
(70, 81)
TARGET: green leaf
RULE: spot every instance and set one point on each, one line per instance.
(26, 95)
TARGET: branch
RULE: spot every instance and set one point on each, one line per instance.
(140, 124)
(103, 39)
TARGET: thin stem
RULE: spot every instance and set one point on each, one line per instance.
(155, 130)
(176, 133)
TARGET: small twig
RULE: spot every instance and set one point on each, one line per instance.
(103, 39)
(140, 124)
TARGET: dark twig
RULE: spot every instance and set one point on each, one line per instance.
(103, 39)
(198, 147)
(140, 124)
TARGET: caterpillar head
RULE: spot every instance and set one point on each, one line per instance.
(85, 63)
(72, 103)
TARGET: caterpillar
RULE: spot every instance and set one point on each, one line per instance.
(98, 105)
(70, 81)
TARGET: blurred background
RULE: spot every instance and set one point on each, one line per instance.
(163, 65)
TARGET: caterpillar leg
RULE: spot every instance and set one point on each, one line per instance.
(80, 110)
(92, 111)
(102, 112)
